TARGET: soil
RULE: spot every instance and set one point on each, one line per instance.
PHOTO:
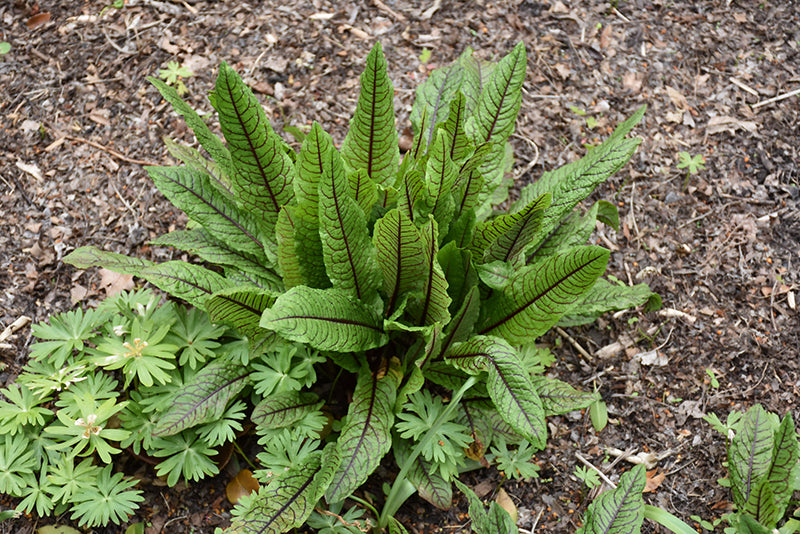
(721, 246)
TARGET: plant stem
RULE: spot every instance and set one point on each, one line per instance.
(667, 520)
(399, 492)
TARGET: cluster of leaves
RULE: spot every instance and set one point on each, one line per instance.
(763, 470)
(106, 380)
(393, 278)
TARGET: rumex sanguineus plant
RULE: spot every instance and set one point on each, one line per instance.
(388, 308)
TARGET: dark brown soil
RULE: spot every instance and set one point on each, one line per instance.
(722, 248)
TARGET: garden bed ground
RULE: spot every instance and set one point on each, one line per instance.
(78, 121)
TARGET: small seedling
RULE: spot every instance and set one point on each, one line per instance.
(174, 74)
(587, 476)
(5, 48)
(425, 56)
(692, 164)
(712, 378)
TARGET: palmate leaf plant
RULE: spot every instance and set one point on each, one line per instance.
(385, 304)
(89, 395)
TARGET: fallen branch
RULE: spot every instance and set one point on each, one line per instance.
(777, 98)
(111, 151)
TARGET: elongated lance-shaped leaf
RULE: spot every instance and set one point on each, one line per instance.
(204, 398)
(620, 511)
(310, 166)
(432, 102)
(750, 454)
(575, 181)
(284, 409)
(761, 504)
(509, 384)
(506, 236)
(197, 162)
(476, 75)
(784, 460)
(264, 172)
(411, 188)
(559, 397)
(572, 230)
(288, 259)
(748, 525)
(304, 248)
(493, 120)
(363, 190)
(441, 174)
(208, 140)
(186, 281)
(424, 476)
(459, 272)
(286, 502)
(499, 101)
(326, 319)
(469, 184)
(241, 307)
(199, 242)
(366, 437)
(192, 192)
(348, 251)
(538, 295)
(401, 255)
(460, 327)
(605, 296)
(433, 306)
(460, 146)
(371, 142)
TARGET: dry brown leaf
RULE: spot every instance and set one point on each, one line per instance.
(725, 123)
(78, 293)
(113, 283)
(507, 504)
(37, 20)
(242, 485)
(654, 480)
(677, 98)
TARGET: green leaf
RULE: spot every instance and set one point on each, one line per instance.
(210, 142)
(432, 103)
(748, 525)
(784, 461)
(509, 385)
(506, 236)
(284, 409)
(424, 475)
(598, 413)
(575, 181)
(192, 192)
(186, 281)
(605, 297)
(559, 397)
(201, 243)
(288, 258)
(326, 319)
(363, 190)
(620, 511)
(460, 146)
(310, 168)
(495, 521)
(366, 437)
(400, 255)
(441, 174)
(459, 272)
(263, 177)
(433, 306)
(204, 398)
(371, 142)
(476, 76)
(348, 251)
(538, 295)
(288, 500)
(200, 164)
(495, 116)
(750, 454)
